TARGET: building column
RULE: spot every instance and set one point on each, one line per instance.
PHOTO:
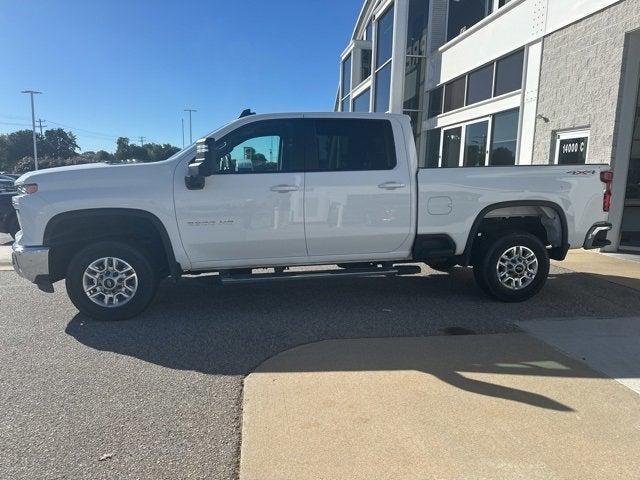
(529, 103)
(400, 29)
(623, 138)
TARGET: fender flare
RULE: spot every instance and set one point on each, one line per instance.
(559, 253)
(174, 267)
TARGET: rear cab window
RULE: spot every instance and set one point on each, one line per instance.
(341, 145)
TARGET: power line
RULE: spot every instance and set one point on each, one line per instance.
(14, 117)
(15, 124)
(88, 132)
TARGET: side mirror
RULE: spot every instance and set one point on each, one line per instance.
(204, 166)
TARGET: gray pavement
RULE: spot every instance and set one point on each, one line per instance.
(161, 395)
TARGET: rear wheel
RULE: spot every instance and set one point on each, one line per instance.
(513, 268)
(111, 281)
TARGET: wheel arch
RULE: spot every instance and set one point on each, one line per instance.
(558, 252)
(57, 232)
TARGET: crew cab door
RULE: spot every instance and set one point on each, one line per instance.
(252, 210)
(357, 189)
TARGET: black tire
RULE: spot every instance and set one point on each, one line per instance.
(443, 265)
(486, 270)
(147, 278)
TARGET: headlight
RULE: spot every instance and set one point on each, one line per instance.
(27, 188)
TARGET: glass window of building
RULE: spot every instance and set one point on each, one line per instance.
(384, 49)
(368, 33)
(502, 3)
(435, 102)
(509, 73)
(416, 123)
(417, 28)
(475, 144)
(345, 104)
(464, 14)
(383, 88)
(346, 82)
(454, 94)
(414, 83)
(361, 102)
(504, 141)
(451, 147)
(365, 64)
(384, 38)
(432, 155)
(480, 85)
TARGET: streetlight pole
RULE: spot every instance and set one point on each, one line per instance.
(182, 133)
(190, 125)
(33, 123)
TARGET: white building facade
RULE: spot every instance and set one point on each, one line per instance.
(508, 82)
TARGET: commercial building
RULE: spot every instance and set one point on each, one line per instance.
(508, 82)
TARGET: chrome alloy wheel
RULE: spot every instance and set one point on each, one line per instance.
(110, 282)
(517, 268)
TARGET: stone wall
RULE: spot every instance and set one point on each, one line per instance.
(580, 80)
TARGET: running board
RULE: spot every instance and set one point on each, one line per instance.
(235, 279)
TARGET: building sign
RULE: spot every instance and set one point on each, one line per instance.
(572, 148)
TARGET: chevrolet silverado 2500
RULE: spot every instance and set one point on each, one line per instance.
(287, 190)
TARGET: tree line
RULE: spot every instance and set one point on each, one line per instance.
(57, 147)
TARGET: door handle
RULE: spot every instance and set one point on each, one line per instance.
(284, 188)
(391, 185)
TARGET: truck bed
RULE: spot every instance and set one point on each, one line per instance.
(450, 200)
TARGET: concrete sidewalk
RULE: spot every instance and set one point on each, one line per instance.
(5, 258)
(471, 407)
(609, 267)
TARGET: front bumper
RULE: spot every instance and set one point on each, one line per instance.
(597, 236)
(31, 263)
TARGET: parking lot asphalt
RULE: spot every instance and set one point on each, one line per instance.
(160, 396)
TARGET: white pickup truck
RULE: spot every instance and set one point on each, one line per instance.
(274, 192)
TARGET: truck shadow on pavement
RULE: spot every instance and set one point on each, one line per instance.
(197, 325)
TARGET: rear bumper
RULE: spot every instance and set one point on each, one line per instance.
(31, 263)
(597, 236)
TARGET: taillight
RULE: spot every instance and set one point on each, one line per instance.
(607, 179)
(27, 189)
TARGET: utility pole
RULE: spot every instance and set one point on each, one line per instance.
(182, 133)
(41, 126)
(142, 141)
(33, 124)
(190, 110)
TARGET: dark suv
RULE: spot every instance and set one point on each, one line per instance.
(8, 218)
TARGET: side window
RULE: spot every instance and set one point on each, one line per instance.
(353, 145)
(262, 147)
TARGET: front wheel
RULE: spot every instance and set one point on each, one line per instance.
(513, 268)
(111, 281)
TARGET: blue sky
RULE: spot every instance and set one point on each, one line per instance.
(129, 67)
